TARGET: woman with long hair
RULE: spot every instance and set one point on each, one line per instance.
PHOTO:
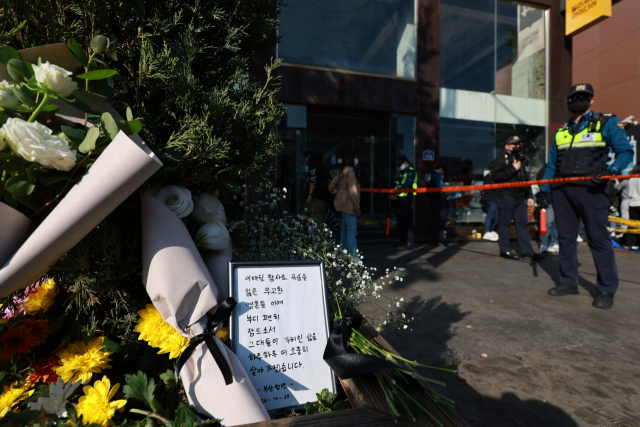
(632, 241)
(347, 190)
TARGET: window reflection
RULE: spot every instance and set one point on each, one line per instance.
(360, 35)
(493, 47)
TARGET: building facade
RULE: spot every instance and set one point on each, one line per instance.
(436, 80)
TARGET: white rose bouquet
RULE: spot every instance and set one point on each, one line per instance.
(41, 156)
(64, 167)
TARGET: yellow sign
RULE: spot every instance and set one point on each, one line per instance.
(582, 14)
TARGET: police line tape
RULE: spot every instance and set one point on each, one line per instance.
(489, 186)
(628, 222)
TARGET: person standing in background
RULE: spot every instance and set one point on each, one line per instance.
(347, 190)
(581, 148)
(623, 188)
(318, 179)
(488, 197)
(549, 242)
(437, 204)
(632, 241)
(512, 202)
(404, 202)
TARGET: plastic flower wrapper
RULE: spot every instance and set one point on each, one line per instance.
(185, 295)
(59, 393)
(68, 202)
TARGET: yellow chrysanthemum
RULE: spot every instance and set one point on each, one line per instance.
(42, 299)
(13, 395)
(79, 361)
(95, 406)
(223, 334)
(159, 334)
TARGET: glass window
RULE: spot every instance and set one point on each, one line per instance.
(493, 47)
(360, 35)
(467, 147)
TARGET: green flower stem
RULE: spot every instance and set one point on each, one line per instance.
(416, 375)
(419, 405)
(34, 116)
(86, 86)
(150, 415)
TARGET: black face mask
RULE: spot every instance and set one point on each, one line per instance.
(516, 149)
(579, 105)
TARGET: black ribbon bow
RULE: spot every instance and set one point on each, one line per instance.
(349, 365)
(223, 312)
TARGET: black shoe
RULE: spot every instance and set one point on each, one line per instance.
(406, 247)
(603, 300)
(560, 291)
(509, 255)
(533, 257)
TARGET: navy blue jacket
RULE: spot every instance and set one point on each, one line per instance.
(613, 135)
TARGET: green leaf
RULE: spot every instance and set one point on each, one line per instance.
(102, 88)
(8, 53)
(47, 111)
(19, 186)
(75, 102)
(111, 55)
(52, 178)
(109, 126)
(19, 70)
(21, 418)
(111, 346)
(98, 74)
(75, 135)
(129, 114)
(89, 143)
(131, 127)
(169, 379)
(139, 388)
(185, 417)
(26, 97)
(77, 52)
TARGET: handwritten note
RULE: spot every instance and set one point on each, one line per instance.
(280, 329)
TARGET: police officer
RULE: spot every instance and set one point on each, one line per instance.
(437, 204)
(513, 202)
(404, 202)
(581, 148)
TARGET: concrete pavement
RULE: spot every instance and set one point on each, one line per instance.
(524, 358)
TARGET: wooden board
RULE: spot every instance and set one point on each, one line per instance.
(371, 410)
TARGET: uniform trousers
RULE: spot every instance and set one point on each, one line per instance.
(514, 209)
(405, 219)
(586, 201)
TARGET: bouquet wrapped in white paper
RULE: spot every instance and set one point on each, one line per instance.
(62, 164)
(182, 290)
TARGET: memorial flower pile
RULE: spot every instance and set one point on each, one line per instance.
(268, 234)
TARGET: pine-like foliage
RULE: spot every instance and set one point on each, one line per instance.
(189, 70)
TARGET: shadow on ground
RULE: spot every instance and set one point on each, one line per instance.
(434, 319)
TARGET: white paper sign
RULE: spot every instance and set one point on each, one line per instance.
(280, 328)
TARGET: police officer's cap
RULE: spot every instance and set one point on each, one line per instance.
(401, 159)
(513, 140)
(581, 88)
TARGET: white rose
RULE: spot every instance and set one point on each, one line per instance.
(35, 142)
(3, 142)
(213, 235)
(207, 207)
(55, 79)
(8, 98)
(177, 199)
